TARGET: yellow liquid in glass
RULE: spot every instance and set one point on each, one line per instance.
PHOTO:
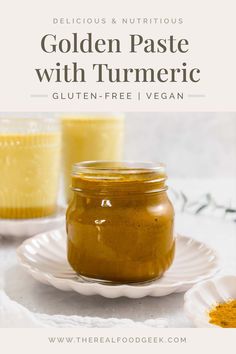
(29, 165)
(86, 138)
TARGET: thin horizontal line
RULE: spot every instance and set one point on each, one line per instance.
(199, 95)
(38, 95)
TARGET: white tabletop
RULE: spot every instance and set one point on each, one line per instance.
(21, 287)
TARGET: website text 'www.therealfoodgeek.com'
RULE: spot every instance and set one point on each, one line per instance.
(117, 340)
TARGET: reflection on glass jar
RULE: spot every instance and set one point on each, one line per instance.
(29, 165)
(90, 137)
(120, 221)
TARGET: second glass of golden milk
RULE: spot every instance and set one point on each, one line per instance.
(90, 137)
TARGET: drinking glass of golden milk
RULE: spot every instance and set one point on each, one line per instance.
(90, 137)
(29, 167)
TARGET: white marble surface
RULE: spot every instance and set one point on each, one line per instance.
(21, 287)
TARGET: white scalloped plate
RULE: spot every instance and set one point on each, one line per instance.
(44, 257)
(203, 296)
(22, 228)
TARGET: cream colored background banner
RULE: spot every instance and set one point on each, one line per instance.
(209, 27)
(89, 340)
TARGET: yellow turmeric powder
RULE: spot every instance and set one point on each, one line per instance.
(224, 315)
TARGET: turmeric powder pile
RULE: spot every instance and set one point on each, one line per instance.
(224, 315)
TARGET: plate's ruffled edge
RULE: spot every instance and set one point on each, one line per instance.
(111, 291)
(201, 321)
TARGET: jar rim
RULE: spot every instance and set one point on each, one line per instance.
(15, 124)
(91, 116)
(116, 169)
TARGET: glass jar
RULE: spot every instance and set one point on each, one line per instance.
(120, 221)
(29, 165)
(90, 136)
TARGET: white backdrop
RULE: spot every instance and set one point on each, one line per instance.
(192, 145)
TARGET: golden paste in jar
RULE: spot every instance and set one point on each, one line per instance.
(120, 222)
